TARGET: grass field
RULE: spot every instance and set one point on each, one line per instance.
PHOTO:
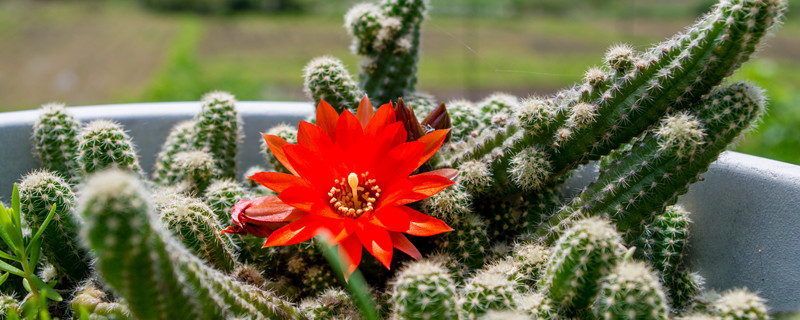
(112, 52)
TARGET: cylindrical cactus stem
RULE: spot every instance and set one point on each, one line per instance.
(630, 291)
(532, 259)
(538, 209)
(284, 131)
(465, 118)
(104, 144)
(506, 315)
(96, 305)
(221, 195)
(659, 166)
(389, 40)
(611, 108)
(331, 304)
(196, 225)
(218, 130)
(155, 274)
(317, 279)
(424, 290)
(683, 288)
(178, 140)
(740, 304)
(496, 105)
(39, 192)
(198, 168)
(55, 139)
(486, 291)
(584, 254)
(469, 242)
(536, 305)
(326, 78)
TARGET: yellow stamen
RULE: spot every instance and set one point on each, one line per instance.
(352, 180)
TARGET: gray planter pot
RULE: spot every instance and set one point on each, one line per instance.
(746, 209)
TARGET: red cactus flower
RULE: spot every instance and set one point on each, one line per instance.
(351, 178)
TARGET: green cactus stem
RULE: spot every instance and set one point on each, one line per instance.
(104, 144)
(196, 225)
(536, 305)
(94, 303)
(740, 304)
(178, 140)
(329, 305)
(532, 259)
(630, 291)
(584, 254)
(39, 192)
(640, 181)
(424, 290)
(198, 169)
(221, 195)
(218, 130)
(486, 291)
(317, 279)
(55, 139)
(155, 274)
(326, 78)
(388, 36)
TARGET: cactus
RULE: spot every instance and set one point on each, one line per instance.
(95, 303)
(614, 105)
(285, 132)
(486, 291)
(152, 271)
(532, 259)
(505, 315)
(218, 130)
(196, 225)
(39, 192)
(661, 164)
(178, 140)
(317, 278)
(740, 304)
(327, 79)
(424, 290)
(221, 195)
(469, 241)
(536, 305)
(579, 259)
(497, 105)
(465, 118)
(630, 291)
(198, 168)
(330, 304)
(8, 305)
(55, 141)
(387, 35)
(104, 144)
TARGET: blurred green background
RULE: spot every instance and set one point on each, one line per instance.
(116, 51)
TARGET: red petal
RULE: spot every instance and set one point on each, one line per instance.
(400, 242)
(301, 230)
(377, 148)
(394, 193)
(432, 143)
(276, 145)
(311, 167)
(447, 173)
(350, 251)
(276, 181)
(364, 112)
(399, 163)
(425, 185)
(270, 209)
(377, 242)
(424, 225)
(315, 139)
(392, 219)
(348, 135)
(382, 119)
(326, 119)
(302, 198)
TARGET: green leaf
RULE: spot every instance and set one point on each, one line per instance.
(41, 228)
(49, 292)
(36, 248)
(6, 225)
(11, 269)
(4, 278)
(356, 284)
(15, 205)
(5, 255)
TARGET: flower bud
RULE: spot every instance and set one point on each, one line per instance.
(439, 118)
(405, 115)
(261, 216)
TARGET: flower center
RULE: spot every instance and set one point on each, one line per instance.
(353, 196)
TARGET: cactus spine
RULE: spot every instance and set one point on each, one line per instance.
(630, 291)
(96, 304)
(55, 135)
(156, 274)
(330, 304)
(103, 144)
(424, 290)
(387, 35)
(198, 169)
(217, 130)
(484, 292)
(327, 79)
(178, 140)
(39, 192)
(579, 259)
(740, 304)
(221, 195)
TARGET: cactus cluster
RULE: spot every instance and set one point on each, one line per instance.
(169, 248)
